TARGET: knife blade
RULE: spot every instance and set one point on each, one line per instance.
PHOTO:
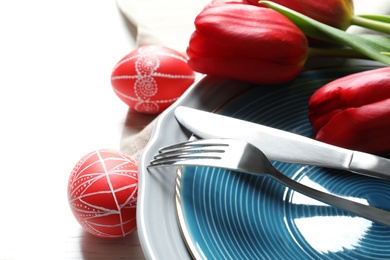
(281, 145)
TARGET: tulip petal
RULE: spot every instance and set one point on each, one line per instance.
(315, 29)
(336, 13)
(364, 128)
(261, 33)
(204, 46)
(354, 90)
(248, 43)
(249, 70)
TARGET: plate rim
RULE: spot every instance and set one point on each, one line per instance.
(194, 250)
(167, 242)
(171, 245)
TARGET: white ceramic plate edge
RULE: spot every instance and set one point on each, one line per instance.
(157, 223)
(158, 228)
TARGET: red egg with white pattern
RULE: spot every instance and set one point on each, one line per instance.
(151, 78)
(102, 193)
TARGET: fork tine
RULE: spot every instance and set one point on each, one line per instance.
(186, 159)
(187, 152)
(194, 146)
(188, 144)
(241, 156)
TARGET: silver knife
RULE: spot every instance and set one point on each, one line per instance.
(281, 145)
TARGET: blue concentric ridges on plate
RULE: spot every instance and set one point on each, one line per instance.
(228, 215)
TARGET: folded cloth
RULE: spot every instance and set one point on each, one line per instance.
(134, 143)
(136, 133)
(165, 22)
(170, 23)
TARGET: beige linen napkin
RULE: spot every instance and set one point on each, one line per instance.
(136, 134)
(166, 22)
(170, 23)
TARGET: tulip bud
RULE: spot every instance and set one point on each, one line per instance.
(248, 43)
(221, 2)
(336, 13)
(354, 111)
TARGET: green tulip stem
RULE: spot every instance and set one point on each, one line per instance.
(370, 23)
(336, 52)
(366, 46)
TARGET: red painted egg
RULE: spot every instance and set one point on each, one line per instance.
(102, 193)
(151, 78)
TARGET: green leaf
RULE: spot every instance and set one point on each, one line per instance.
(315, 29)
(376, 17)
(380, 23)
(381, 40)
(386, 53)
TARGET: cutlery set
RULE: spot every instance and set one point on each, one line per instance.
(247, 147)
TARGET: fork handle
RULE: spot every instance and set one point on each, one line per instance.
(368, 212)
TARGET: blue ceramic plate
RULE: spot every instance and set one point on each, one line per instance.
(228, 215)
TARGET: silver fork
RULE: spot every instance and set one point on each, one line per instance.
(243, 157)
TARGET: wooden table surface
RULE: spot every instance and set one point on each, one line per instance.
(56, 105)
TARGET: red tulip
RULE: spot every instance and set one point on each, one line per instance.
(248, 43)
(336, 13)
(221, 2)
(354, 111)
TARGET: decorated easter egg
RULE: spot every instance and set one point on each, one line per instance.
(102, 193)
(150, 78)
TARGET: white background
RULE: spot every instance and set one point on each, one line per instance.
(56, 105)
